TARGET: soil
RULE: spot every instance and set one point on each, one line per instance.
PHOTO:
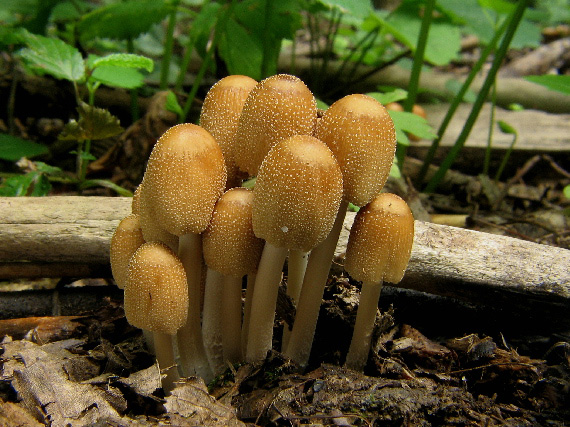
(435, 360)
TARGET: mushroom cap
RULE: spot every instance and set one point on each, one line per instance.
(278, 107)
(360, 133)
(151, 229)
(156, 295)
(184, 178)
(125, 241)
(221, 111)
(380, 241)
(136, 203)
(297, 194)
(229, 244)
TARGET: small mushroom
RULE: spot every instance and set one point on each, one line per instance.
(295, 201)
(156, 299)
(378, 250)
(184, 178)
(125, 241)
(231, 250)
(360, 133)
(220, 115)
(278, 107)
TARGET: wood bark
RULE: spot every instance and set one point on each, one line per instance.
(454, 262)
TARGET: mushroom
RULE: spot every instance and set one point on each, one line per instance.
(184, 178)
(231, 251)
(295, 200)
(156, 299)
(378, 250)
(220, 115)
(278, 107)
(125, 241)
(361, 135)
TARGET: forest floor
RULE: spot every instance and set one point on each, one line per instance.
(435, 360)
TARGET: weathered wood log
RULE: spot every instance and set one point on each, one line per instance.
(449, 261)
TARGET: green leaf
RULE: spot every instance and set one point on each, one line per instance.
(126, 78)
(567, 191)
(172, 104)
(125, 60)
(387, 97)
(357, 8)
(454, 86)
(412, 123)
(94, 123)
(13, 148)
(506, 128)
(552, 82)
(33, 183)
(51, 56)
(123, 21)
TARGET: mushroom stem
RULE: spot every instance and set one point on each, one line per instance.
(231, 319)
(190, 346)
(301, 339)
(165, 358)
(364, 326)
(264, 301)
(247, 311)
(212, 320)
(296, 266)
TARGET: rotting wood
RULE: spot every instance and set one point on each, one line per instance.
(449, 261)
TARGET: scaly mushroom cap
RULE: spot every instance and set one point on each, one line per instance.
(278, 107)
(184, 178)
(125, 241)
(151, 229)
(136, 203)
(297, 194)
(361, 134)
(156, 295)
(380, 241)
(229, 245)
(220, 114)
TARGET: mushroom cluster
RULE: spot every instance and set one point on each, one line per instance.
(195, 235)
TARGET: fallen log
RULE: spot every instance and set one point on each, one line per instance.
(453, 262)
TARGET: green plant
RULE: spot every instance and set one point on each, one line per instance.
(43, 55)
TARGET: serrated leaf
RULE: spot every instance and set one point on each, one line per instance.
(412, 123)
(388, 97)
(45, 55)
(13, 148)
(552, 82)
(126, 78)
(125, 60)
(94, 123)
(122, 21)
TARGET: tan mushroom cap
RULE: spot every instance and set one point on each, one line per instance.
(136, 203)
(278, 107)
(184, 178)
(221, 111)
(380, 241)
(125, 241)
(156, 295)
(297, 194)
(360, 133)
(229, 244)
(152, 230)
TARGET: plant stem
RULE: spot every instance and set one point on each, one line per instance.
(487, 159)
(506, 158)
(416, 71)
(220, 24)
(168, 46)
(267, 36)
(514, 21)
(457, 100)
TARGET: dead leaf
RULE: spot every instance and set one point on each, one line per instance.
(190, 404)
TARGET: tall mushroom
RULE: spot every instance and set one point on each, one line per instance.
(156, 299)
(231, 251)
(220, 115)
(125, 241)
(295, 201)
(184, 178)
(378, 250)
(361, 135)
